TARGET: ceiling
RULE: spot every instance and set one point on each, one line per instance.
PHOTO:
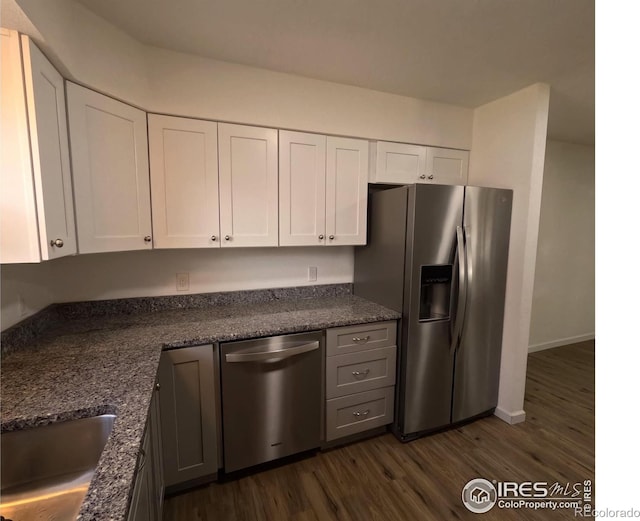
(464, 52)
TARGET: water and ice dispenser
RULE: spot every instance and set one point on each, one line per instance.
(435, 291)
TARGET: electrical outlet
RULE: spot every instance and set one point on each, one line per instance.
(313, 273)
(182, 281)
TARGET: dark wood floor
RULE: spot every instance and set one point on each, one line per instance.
(382, 479)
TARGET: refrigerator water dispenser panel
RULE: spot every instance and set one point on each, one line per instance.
(435, 292)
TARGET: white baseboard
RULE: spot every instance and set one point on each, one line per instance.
(510, 417)
(561, 342)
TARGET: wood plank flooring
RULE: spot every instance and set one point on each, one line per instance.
(382, 479)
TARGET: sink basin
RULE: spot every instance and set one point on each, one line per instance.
(46, 470)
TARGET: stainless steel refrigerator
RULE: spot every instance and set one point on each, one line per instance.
(438, 254)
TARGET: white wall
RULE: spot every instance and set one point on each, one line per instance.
(93, 52)
(564, 290)
(25, 289)
(199, 87)
(509, 138)
(153, 273)
(85, 48)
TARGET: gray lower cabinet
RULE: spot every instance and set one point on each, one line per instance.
(156, 442)
(360, 378)
(189, 405)
(148, 491)
(359, 412)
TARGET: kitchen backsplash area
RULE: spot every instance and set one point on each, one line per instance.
(28, 288)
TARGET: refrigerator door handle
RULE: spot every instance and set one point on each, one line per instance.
(468, 274)
(462, 289)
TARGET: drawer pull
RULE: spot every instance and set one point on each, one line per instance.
(360, 373)
(357, 414)
(361, 339)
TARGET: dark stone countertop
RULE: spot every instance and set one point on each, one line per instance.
(108, 364)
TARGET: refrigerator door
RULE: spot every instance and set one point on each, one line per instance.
(487, 223)
(430, 303)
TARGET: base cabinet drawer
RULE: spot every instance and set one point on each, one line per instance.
(350, 339)
(361, 371)
(359, 412)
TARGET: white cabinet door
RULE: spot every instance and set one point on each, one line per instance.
(183, 161)
(18, 219)
(347, 171)
(50, 153)
(302, 188)
(398, 163)
(110, 163)
(248, 160)
(37, 203)
(447, 166)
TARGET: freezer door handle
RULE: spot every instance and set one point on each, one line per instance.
(462, 288)
(271, 356)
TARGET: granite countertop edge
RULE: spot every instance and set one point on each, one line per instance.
(64, 360)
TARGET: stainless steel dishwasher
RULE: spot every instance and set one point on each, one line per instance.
(271, 398)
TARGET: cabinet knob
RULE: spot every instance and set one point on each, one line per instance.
(58, 243)
(356, 374)
(158, 386)
(331, 237)
(227, 237)
(431, 176)
(320, 236)
(214, 238)
(423, 176)
(147, 238)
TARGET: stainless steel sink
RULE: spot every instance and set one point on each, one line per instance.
(46, 470)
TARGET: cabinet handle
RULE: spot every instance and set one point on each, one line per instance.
(423, 176)
(360, 373)
(361, 340)
(227, 237)
(431, 176)
(320, 236)
(58, 243)
(331, 237)
(158, 386)
(357, 414)
(147, 238)
(214, 238)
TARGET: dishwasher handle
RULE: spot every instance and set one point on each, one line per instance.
(275, 355)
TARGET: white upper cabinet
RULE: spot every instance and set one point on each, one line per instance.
(248, 161)
(109, 156)
(401, 163)
(398, 162)
(447, 166)
(36, 196)
(347, 172)
(323, 190)
(183, 160)
(302, 188)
